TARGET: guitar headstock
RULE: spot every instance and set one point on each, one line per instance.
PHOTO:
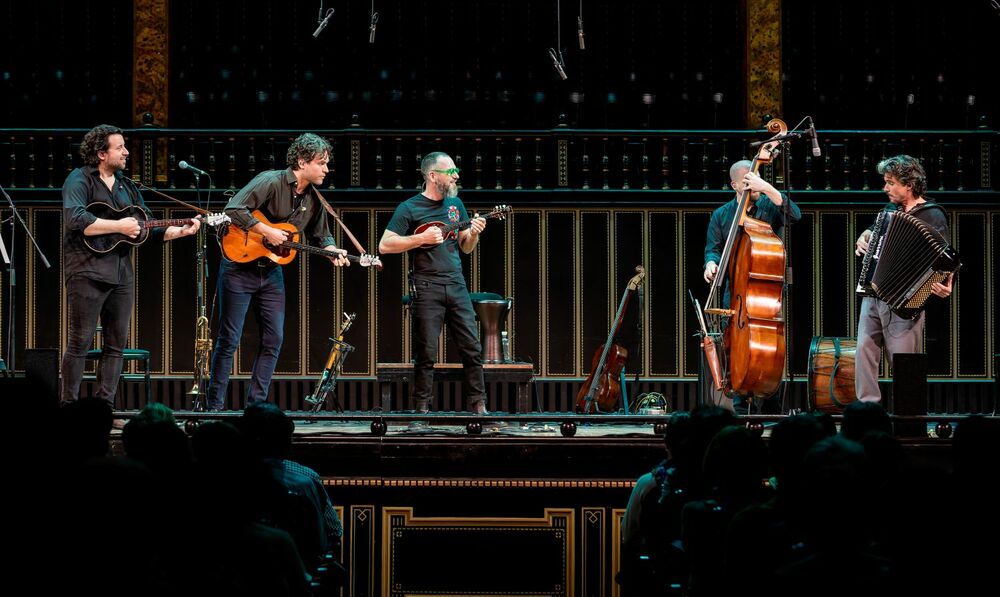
(500, 211)
(217, 219)
(370, 261)
(636, 281)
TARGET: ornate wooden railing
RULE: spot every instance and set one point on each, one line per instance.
(530, 160)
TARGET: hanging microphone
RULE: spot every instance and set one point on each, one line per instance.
(558, 63)
(371, 30)
(323, 23)
(186, 166)
(579, 31)
(815, 140)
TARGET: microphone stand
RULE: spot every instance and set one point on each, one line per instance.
(8, 368)
(203, 338)
(786, 239)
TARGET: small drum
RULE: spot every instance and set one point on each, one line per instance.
(831, 373)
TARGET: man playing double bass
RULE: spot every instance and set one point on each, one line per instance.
(742, 177)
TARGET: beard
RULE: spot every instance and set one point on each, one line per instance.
(446, 189)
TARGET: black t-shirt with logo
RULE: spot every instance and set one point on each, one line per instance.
(441, 263)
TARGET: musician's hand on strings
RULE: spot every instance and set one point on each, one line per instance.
(711, 268)
(129, 227)
(186, 230)
(273, 236)
(192, 228)
(431, 236)
(861, 246)
(942, 289)
(477, 225)
(340, 258)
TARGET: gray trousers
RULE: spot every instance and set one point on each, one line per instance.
(879, 327)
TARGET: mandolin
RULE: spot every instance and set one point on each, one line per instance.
(449, 231)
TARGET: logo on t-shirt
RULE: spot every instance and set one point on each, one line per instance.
(453, 213)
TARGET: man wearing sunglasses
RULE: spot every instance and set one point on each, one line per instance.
(438, 291)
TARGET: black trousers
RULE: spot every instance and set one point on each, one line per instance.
(88, 300)
(435, 305)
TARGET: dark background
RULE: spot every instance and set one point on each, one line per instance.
(461, 64)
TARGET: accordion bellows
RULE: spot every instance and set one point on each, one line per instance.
(905, 256)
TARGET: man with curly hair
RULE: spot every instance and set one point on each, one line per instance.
(905, 184)
(101, 284)
(289, 196)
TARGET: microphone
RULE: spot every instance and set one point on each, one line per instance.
(323, 23)
(815, 140)
(371, 30)
(579, 31)
(186, 166)
(556, 62)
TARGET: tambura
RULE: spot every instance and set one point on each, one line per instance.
(831, 373)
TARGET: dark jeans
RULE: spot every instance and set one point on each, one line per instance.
(437, 304)
(88, 300)
(241, 285)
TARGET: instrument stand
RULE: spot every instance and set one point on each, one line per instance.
(327, 386)
(7, 368)
(621, 382)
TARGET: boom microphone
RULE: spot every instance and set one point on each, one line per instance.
(186, 166)
(323, 23)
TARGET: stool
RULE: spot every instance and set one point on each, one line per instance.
(129, 354)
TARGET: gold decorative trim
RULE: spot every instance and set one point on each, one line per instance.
(151, 52)
(552, 518)
(480, 483)
(355, 162)
(763, 60)
(362, 517)
(617, 515)
(562, 163)
(592, 519)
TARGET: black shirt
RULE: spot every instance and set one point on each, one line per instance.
(440, 263)
(84, 186)
(929, 212)
(273, 193)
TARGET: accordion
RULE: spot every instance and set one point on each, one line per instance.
(905, 256)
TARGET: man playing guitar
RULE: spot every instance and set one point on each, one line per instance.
(290, 196)
(101, 284)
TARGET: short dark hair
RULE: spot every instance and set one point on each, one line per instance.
(907, 170)
(429, 160)
(306, 146)
(96, 140)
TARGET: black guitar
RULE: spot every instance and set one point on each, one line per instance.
(104, 243)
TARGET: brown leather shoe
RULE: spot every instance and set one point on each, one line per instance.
(478, 407)
(119, 424)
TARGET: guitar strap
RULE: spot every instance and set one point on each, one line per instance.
(326, 206)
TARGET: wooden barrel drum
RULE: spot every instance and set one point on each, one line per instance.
(831, 373)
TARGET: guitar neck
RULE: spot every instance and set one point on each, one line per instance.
(166, 223)
(316, 250)
(465, 223)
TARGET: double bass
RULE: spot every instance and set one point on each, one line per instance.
(753, 259)
(602, 390)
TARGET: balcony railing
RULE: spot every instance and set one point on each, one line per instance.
(668, 161)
